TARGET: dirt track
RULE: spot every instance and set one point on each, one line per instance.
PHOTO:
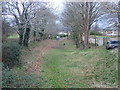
(34, 67)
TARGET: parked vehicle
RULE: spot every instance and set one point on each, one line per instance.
(57, 37)
(112, 44)
(112, 34)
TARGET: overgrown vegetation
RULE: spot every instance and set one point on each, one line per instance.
(19, 79)
(14, 72)
(11, 54)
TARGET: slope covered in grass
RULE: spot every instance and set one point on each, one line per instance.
(65, 66)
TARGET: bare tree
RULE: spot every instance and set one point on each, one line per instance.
(43, 16)
(19, 10)
(80, 16)
(29, 17)
(6, 29)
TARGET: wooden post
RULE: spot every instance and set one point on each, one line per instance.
(95, 41)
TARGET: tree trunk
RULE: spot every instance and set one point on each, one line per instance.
(34, 36)
(26, 37)
(77, 40)
(119, 28)
(77, 44)
(86, 24)
(81, 41)
(21, 30)
(86, 41)
(20, 39)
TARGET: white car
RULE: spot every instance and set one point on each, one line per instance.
(112, 44)
(112, 34)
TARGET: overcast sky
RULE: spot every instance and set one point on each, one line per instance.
(102, 23)
(58, 5)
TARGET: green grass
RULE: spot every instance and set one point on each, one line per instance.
(104, 36)
(55, 71)
(67, 67)
(13, 36)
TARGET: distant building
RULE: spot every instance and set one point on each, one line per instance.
(101, 31)
(110, 32)
(62, 33)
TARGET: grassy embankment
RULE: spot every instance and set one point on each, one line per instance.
(65, 66)
(18, 77)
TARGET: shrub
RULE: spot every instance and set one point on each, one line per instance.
(95, 33)
(11, 54)
(14, 79)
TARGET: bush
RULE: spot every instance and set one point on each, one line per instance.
(95, 33)
(14, 79)
(11, 54)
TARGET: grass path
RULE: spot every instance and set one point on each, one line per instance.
(38, 52)
(56, 65)
(64, 66)
(28, 74)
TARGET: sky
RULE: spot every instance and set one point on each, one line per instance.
(58, 5)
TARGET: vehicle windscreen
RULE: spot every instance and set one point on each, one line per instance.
(114, 42)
